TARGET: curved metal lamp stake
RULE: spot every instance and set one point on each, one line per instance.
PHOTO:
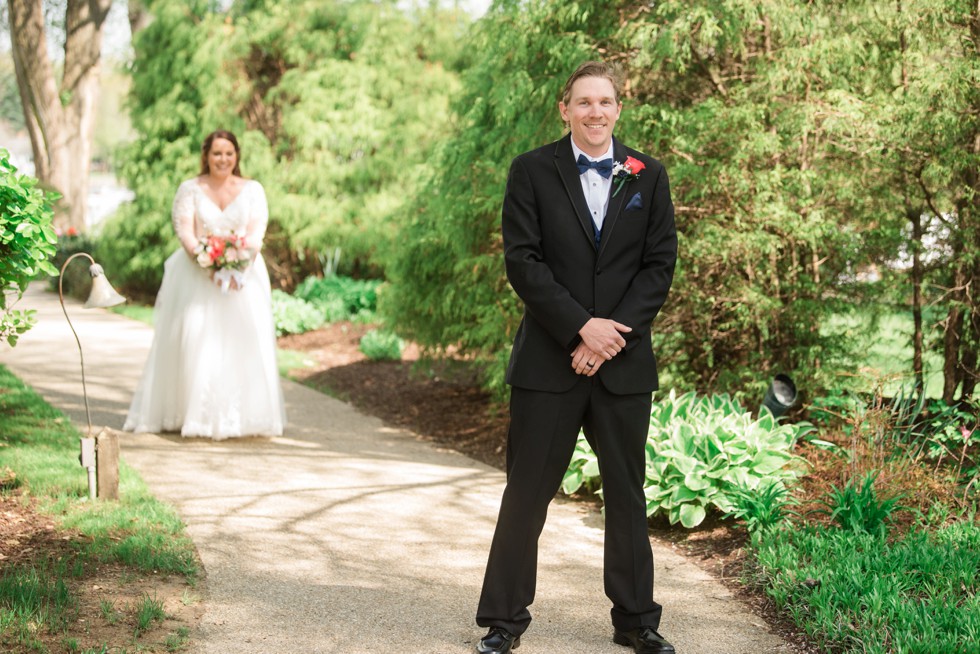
(102, 295)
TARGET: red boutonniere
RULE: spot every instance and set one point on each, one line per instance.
(626, 172)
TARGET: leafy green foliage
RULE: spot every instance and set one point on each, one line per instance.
(904, 431)
(27, 241)
(293, 315)
(706, 452)
(701, 450)
(341, 298)
(334, 106)
(800, 182)
(174, 104)
(317, 300)
(761, 508)
(803, 181)
(448, 284)
(382, 345)
(856, 507)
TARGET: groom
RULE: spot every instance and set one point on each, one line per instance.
(590, 246)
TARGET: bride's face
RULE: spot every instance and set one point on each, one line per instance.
(222, 157)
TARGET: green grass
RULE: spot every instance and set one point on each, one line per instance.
(40, 445)
(289, 360)
(39, 457)
(141, 312)
(148, 611)
(177, 640)
(108, 608)
(35, 596)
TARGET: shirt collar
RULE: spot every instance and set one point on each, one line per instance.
(576, 151)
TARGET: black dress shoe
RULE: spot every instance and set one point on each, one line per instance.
(644, 640)
(498, 641)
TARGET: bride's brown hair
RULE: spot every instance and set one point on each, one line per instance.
(206, 148)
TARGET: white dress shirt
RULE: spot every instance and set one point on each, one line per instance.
(595, 186)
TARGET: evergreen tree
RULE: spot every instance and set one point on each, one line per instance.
(334, 105)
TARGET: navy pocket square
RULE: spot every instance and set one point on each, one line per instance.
(636, 202)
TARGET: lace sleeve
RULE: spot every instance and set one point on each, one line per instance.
(258, 218)
(183, 216)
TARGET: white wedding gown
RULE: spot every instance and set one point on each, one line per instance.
(212, 367)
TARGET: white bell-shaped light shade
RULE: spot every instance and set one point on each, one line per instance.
(102, 294)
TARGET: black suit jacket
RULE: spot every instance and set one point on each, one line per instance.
(554, 266)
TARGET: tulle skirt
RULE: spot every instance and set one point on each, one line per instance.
(212, 367)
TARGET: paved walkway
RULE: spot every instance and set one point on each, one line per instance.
(348, 536)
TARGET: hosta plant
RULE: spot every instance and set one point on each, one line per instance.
(704, 453)
(293, 315)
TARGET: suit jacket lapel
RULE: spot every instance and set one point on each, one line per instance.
(568, 171)
(615, 206)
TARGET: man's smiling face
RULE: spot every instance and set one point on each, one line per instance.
(591, 114)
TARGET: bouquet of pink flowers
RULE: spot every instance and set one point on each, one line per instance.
(228, 255)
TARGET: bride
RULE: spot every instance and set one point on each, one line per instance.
(212, 368)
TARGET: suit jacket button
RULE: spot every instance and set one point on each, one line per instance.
(591, 311)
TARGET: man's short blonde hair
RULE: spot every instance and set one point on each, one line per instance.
(594, 69)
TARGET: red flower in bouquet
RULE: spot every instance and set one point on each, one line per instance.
(215, 248)
(227, 255)
(220, 252)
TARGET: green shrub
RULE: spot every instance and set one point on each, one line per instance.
(704, 452)
(340, 298)
(293, 315)
(381, 345)
(76, 280)
(27, 241)
(134, 244)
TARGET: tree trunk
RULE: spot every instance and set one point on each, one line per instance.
(915, 217)
(969, 216)
(139, 16)
(60, 120)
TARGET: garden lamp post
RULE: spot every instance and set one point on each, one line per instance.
(102, 295)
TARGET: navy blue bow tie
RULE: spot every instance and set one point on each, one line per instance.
(603, 167)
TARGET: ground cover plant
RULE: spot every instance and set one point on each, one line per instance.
(855, 591)
(340, 297)
(888, 558)
(702, 454)
(321, 300)
(872, 546)
(76, 573)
